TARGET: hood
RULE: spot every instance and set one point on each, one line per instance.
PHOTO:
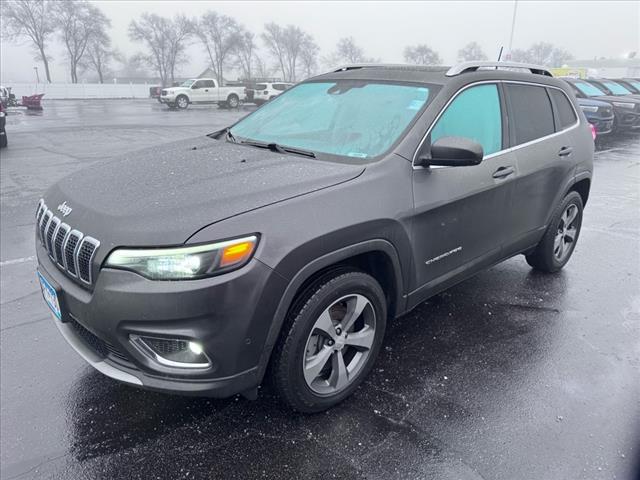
(162, 195)
(616, 98)
(593, 103)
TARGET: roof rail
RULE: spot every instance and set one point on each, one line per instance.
(465, 67)
(355, 66)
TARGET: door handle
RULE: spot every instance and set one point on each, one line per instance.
(206, 89)
(503, 172)
(565, 151)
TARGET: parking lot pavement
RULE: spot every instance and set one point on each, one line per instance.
(509, 375)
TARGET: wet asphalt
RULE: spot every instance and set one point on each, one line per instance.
(509, 375)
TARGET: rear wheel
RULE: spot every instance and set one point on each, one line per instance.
(330, 342)
(233, 101)
(559, 241)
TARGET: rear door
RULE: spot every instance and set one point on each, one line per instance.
(543, 141)
(459, 218)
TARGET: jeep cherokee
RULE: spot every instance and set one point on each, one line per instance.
(280, 247)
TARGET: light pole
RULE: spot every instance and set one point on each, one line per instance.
(37, 75)
(513, 28)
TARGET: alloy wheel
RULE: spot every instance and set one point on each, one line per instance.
(567, 232)
(339, 344)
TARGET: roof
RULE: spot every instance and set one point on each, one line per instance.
(439, 75)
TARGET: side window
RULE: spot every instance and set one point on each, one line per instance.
(279, 86)
(475, 113)
(531, 112)
(208, 84)
(565, 111)
(198, 84)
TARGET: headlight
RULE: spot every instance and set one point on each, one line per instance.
(624, 104)
(589, 108)
(181, 263)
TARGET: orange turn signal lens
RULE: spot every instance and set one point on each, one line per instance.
(237, 253)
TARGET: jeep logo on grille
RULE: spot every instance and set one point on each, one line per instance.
(64, 209)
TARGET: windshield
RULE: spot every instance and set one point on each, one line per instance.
(589, 90)
(357, 119)
(616, 88)
(187, 83)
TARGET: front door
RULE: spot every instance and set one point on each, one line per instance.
(460, 212)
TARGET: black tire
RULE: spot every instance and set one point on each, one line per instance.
(544, 257)
(233, 101)
(286, 368)
(182, 102)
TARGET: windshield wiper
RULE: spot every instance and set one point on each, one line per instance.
(274, 147)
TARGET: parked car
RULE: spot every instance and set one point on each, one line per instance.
(263, 92)
(630, 84)
(4, 96)
(612, 88)
(202, 91)
(3, 122)
(284, 244)
(599, 114)
(626, 110)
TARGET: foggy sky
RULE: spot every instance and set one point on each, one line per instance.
(587, 29)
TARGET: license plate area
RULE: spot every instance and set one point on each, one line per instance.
(50, 296)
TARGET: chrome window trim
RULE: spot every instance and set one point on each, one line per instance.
(96, 244)
(505, 150)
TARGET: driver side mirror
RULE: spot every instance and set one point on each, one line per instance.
(451, 152)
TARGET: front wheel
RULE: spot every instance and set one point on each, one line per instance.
(182, 102)
(330, 340)
(559, 241)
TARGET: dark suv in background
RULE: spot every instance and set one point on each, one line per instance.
(284, 244)
(626, 109)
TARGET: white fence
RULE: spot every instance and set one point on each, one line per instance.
(81, 90)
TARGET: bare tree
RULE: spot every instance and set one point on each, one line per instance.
(274, 39)
(309, 58)
(262, 68)
(549, 55)
(246, 53)
(286, 45)
(421, 55)
(79, 23)
(221, 37)
(348, 51)
(30, 19)
(99, 55)
(166, 40)
(471, 51)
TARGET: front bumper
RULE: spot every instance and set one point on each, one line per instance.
(230, 315)
(167, 99)
(627, 119)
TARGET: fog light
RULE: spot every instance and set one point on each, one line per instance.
(195, 348)
(172, 352)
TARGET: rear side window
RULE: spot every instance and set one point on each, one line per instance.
(532, 117)
(279, 86)
(475, 114)
(566, 115)
(208, 84)
(261, 86)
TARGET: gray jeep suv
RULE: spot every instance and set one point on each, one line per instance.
(280, 247)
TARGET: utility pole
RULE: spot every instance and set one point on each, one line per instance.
(513, 28)
(37, 75)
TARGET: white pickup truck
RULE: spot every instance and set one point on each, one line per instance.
(201, 91)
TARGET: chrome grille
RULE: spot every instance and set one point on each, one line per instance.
(70, 249)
